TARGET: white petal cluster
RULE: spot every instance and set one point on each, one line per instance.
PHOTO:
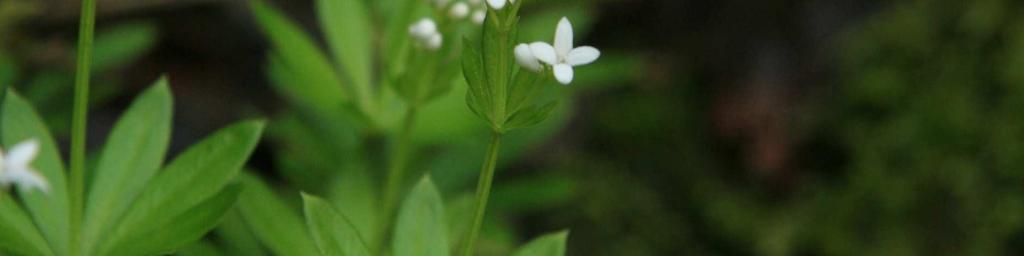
(16, 169)
(425, 34)
(498, 4)
(562, 57)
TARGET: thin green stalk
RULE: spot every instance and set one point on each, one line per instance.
(483, 191)
(78, 119)
(400, 152)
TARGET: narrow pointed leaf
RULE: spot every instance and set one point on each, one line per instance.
(334, 234)
(421, 229)
(133, 153)
(479, 95)
(48, 210)
(279, 227)
(347, 26)
(547, 245)
(530, 116)
(188, 226)
(317, 85)
(235, 237)
(194, 176)
(355, 195)
(17, 234)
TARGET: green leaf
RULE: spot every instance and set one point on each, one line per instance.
(529, 116)
(133, 153)
(334, 234)
(277, 225)
(547, 245)
(185, 227)
(479, 95)
(396, 43)
(234, 235)
(195, 175)
(121, 44)
(421, 228)
(316, 83)
(48, 210)
(497, 62)
(17, 234)
(347, 26)
(525, 86)
(354, 192)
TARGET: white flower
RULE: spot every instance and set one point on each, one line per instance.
(425, 33)
(563, 56)
(478, 16)
(459, 10)
(498, 4)
(526, 58)
(423, 28)
(15, 167)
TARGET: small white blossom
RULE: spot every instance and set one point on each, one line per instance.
(562, 56)
(459, 10)
(526, 58)
(15, 167)
(498, 4)
(478, 16)
(424, 33)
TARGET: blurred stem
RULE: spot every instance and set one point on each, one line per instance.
(78, 119)
(400, 152)
(483, 191)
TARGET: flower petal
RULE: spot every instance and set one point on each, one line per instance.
(583, 55)
(563, 37)
(544, 52)
(496, 4)
(563, 73)
(25, 179)
(21, 154)
(525, 57)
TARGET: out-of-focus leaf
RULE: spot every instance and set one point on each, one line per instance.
(235, 237)
(459, 211)
(421, 228)
(347, 26)
(200, 248)
(278, 226)
(315, 84)
(48, 210)
(133, 153)
(334, 234)
(356, 196)
(187, 226)
(195, 175)
(119, 45)
(547, 245)
(17, 234)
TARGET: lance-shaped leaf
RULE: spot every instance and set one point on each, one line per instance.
(133, 153)
(185, 227)
(479, 96)
(334, 234)
(48, 210)
(317, 85)
(347, 26)
(17, 234)
(547, 245)
(529, 116)
(278, 226)
(421, 228)
(194, 176)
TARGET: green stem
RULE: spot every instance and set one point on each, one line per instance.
(400, 152)
(78, 119)
(483, 191)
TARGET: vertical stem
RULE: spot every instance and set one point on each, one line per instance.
(483, 191)
(400, 152)
(78, 118)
